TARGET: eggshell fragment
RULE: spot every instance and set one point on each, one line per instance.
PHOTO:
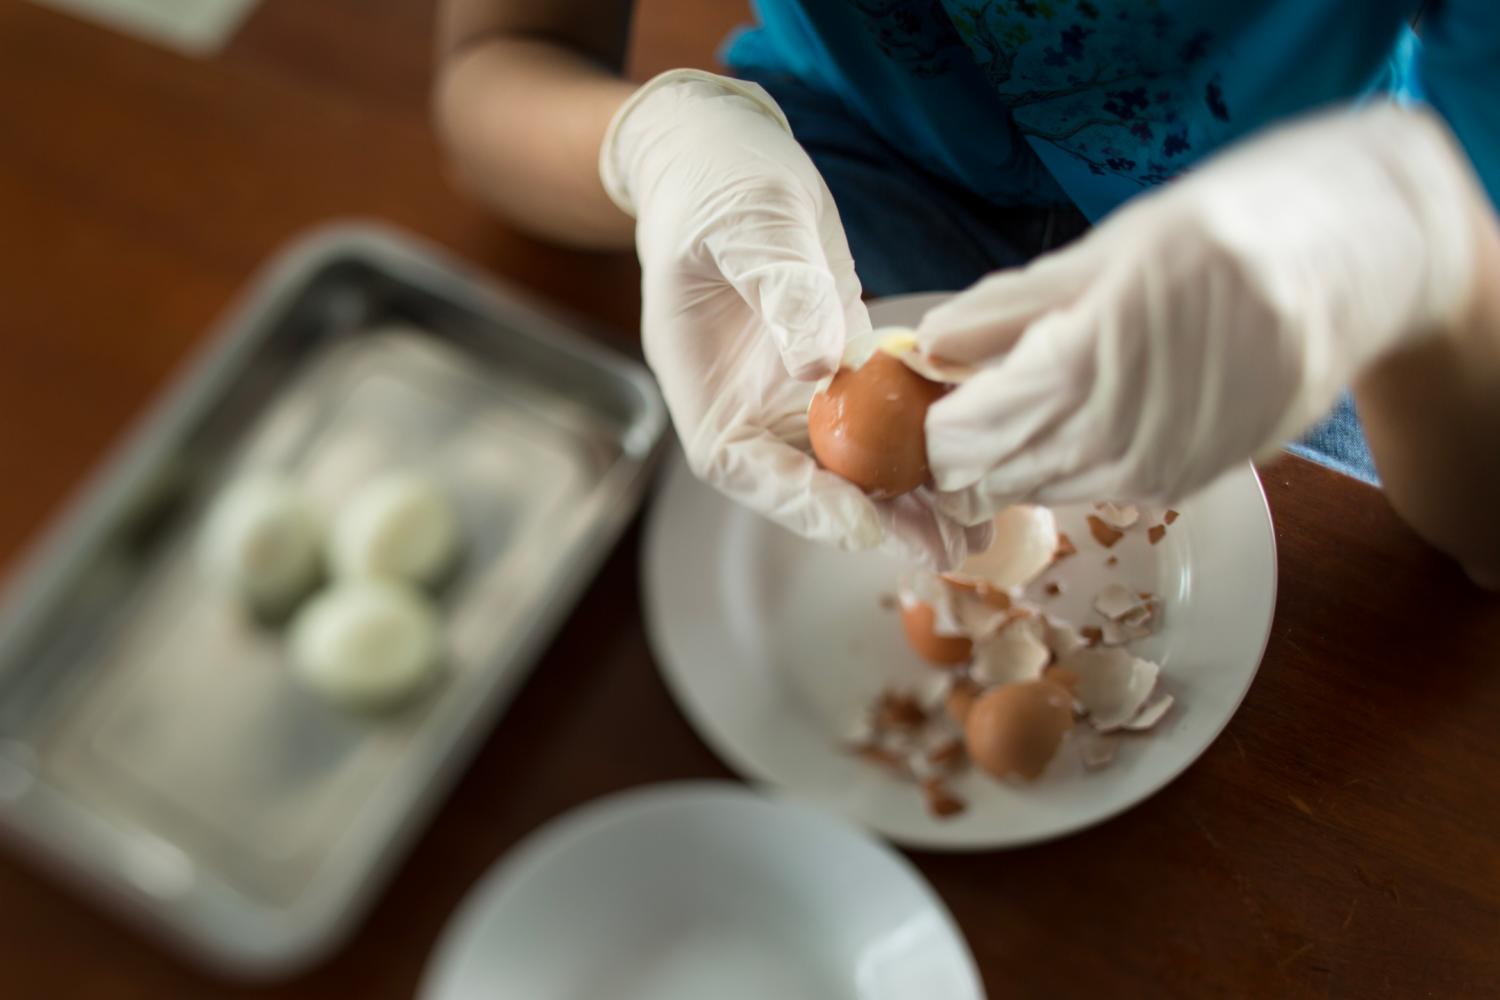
(1115, 601)
(1017, 728)
(947, 755)
(1026, 541)
(1170, 516)
(1015, 653)
(941, 802)
(926, 587)
(1112, 684)
(898, 710)
(1119, 516)
(1096, 749)
(1063, 639)
(365, 643)
(1114, 634)
(1065, 547)
(918, 620)
(1150, 714)
(1103, 533)
(1156, 533)
(400, 526)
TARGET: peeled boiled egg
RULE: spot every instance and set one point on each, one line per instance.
(868, 424)
(1017, 728)
(919, 619)
(262, 540)
(365, 643)
(399, 526)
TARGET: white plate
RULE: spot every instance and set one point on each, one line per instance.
(694, 891)
(771, 646)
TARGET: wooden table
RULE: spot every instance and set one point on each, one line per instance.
(1338, 840)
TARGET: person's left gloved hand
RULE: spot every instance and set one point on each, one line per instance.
(1205, 323)
(749, 294)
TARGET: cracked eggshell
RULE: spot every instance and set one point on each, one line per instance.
(365, 643)
(926, 587)
(1061, 637)
(1115, 601)
(1016, 653)
(1017, 728)
(1112, 684)
(398, 526)
(1025, 543)
(1120, 516)
(918, 620)
(263, 540)
(1150, 714)
(1096, 749)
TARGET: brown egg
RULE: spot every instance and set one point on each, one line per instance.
(868, 425)
(1016, 728)
(940, 650)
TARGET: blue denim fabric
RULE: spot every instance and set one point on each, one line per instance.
(912, 232)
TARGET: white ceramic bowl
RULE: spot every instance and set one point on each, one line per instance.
(699, 891)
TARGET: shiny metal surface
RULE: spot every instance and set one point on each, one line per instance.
(151, 742)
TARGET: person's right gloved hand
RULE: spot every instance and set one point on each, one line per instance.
(749, 293)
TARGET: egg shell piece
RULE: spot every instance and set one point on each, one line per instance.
(1025, 543)
(1115, 601)
(1015, 653)
(262, 539)
(400, 526)
(981, 617)
(1096, 749)
(1060, 636)
(1119, 516)
(365, 643)
(918, 620)
(1150, 714)
(926, 587)
(1114, 634)
(1102, 532)
(1112, 684)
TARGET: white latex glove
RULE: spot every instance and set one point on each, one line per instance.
(748, 295)
(1205, 323)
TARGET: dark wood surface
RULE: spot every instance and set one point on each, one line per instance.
(1338, 840)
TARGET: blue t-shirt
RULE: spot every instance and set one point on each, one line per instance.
(1037, 102)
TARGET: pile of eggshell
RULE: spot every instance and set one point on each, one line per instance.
(1015, 682)
(364, 629)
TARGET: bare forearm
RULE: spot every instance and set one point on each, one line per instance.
(522, 115)
(1432, 416)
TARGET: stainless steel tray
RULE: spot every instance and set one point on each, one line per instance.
(151, 743)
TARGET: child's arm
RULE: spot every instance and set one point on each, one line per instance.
(1432, 416)
(524, 92)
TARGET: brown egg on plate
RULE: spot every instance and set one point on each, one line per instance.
(919, 620)
(868, 425)
(1017, 728)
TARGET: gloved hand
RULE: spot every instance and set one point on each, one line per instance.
(748, 295)
(1208, 322)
